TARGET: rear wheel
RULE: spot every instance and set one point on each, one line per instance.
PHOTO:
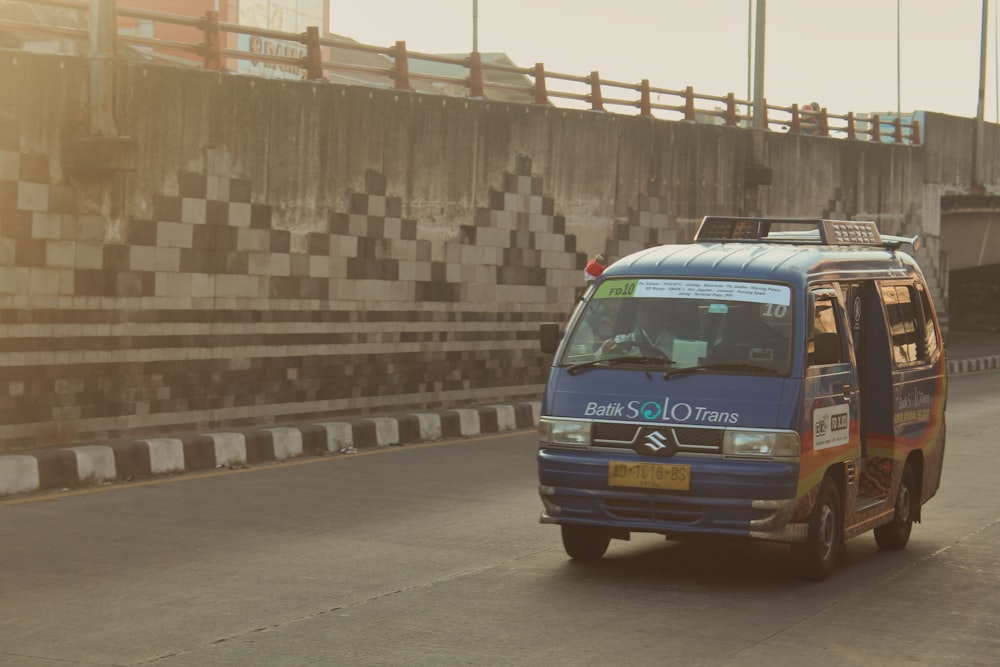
(895, 534)
(585, 542)
(817, 557)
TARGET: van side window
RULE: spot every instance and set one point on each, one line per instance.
(904, 323)
(824, 338)
(931, 342)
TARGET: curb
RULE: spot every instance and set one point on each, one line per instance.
(94, 464)
(974, 365)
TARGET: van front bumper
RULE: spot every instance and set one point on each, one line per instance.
(738, 498)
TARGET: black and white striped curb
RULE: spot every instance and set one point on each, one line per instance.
(92, 464)
(989, 363)
(68, 467)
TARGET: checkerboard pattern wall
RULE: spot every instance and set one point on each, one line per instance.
(207, 314)
(42, 239)
(647, 226)
(521, 236)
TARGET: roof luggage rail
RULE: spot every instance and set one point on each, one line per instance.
(798, 231)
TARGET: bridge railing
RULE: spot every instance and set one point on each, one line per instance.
(208, 42)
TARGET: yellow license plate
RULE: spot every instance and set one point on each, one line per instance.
(649, 475)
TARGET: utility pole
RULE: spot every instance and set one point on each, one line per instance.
(980, 112)
(977, 150)
(102, 52)
(758, 68)
(757, 172)
(749, 50)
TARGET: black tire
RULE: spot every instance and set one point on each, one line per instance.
(895, 534)
(817, 557)
(585, 542)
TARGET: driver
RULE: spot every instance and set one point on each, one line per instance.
(657, 325)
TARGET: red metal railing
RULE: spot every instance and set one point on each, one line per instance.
(324, 58)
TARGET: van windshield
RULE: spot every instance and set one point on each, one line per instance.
(734, 326)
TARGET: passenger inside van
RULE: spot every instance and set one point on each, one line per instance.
(744, 338)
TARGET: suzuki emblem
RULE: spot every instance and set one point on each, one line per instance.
(658, 444)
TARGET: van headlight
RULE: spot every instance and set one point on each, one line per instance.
(564, 433)
(763, 444)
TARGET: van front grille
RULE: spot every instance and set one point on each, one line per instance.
(644, 510)
(688, 439)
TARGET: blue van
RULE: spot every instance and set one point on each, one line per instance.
(776, 379)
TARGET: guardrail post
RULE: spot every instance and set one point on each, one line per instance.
(824, 123)
(475, 75)
(876, 128)
(731, 115)
(795, 127)
(897, 130)
(541, 94)
(596, 99)
(851, 130)
(689, 103)
(915, 132)
(314, 55)
(401, 67)
(645, 103)
(212, 46)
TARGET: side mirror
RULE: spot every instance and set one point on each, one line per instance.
(826, 349)
(548, 337)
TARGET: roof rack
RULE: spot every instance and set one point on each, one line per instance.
(798, 231)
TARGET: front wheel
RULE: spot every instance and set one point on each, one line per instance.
(585, 542)
(817, 557)
(895, 534)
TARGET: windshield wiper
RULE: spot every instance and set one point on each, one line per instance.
(614, 361)
(753, 368)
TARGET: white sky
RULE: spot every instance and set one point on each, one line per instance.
(841, 54)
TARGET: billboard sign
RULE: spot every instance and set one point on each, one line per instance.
(280, 15)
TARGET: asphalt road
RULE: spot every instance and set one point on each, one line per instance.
(432, 555)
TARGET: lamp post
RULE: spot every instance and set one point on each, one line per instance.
(899, 78)
(475, 26)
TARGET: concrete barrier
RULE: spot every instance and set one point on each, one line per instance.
(68, 467)
(88, 464)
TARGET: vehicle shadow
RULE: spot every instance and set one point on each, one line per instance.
(708, 562)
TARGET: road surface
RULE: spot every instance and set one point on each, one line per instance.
(432, 555)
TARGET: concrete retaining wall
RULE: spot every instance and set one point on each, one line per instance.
(290, 250)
